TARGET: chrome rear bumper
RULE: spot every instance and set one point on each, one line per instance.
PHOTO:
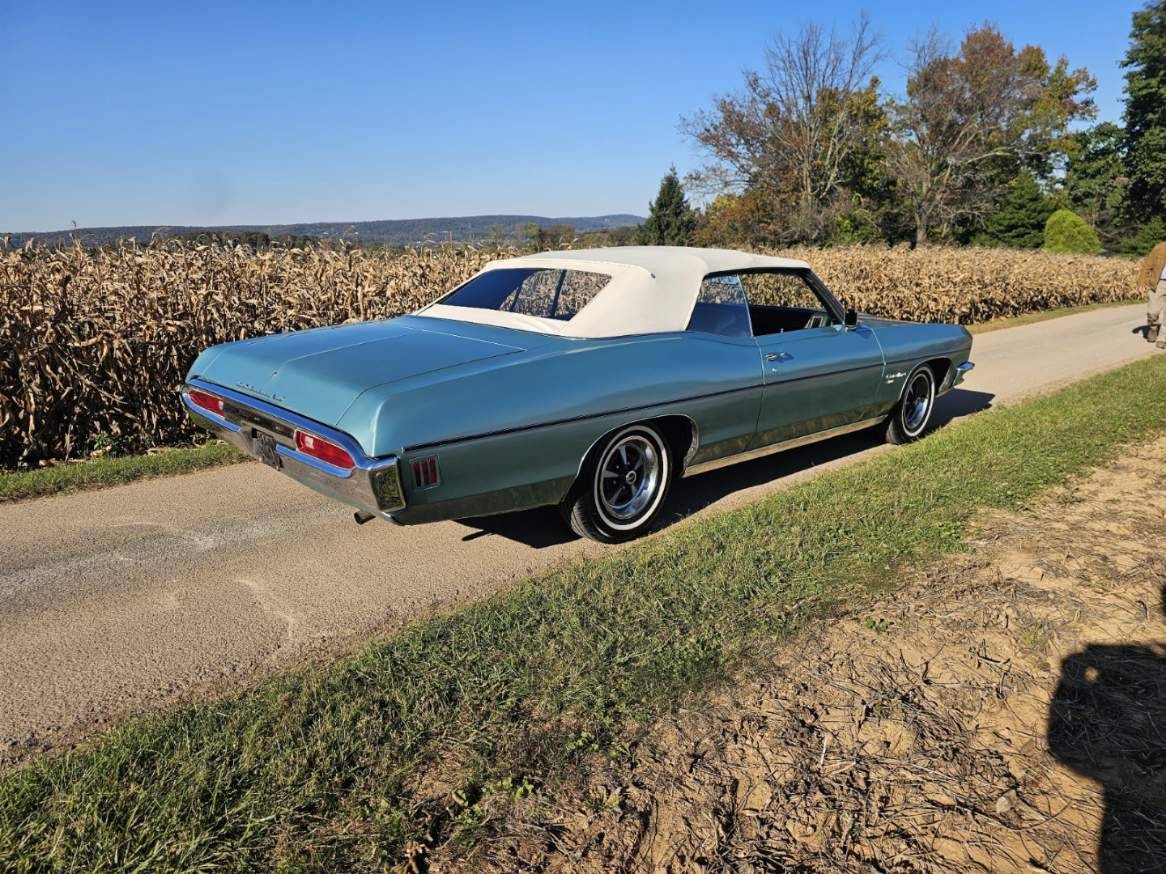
(373, 486)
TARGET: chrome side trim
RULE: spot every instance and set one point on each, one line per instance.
(373, 486)
(771, 449)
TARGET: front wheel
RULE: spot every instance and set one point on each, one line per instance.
(622, 488)
(913, 413)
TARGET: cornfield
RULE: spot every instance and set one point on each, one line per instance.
(94, 342)
(968, 285)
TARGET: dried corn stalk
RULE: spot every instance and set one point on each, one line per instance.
(94, 342)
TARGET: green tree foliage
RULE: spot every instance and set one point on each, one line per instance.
(738, 220)
(813, 153)
(624, 236)
(1095, 181)
(1144, 237)
(1145, 112)
(254, 240)
(858, 225)
(671, 220)
(984, 145)
(972, 120)
(1018, 219)
(1066, 231)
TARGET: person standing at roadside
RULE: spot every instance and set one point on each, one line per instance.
(1153, 276)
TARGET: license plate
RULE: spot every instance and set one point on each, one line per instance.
(264, 445)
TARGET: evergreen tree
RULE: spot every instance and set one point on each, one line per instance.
(1018, 221)
(1145, 112)
(1144, 237)
(670, 219)
(1068, 232)
(1095, 178)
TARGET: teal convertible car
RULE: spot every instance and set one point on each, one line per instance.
(590, 380)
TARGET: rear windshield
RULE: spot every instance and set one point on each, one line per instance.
(545, 292)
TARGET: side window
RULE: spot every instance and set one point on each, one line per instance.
(576, 290)
(781, 301)
(721, 308)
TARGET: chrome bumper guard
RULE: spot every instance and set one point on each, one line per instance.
(961, 371)
(373, 486)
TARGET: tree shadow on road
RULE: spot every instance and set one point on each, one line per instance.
(1107, 722)
(543, 527)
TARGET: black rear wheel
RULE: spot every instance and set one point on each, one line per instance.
(622, 487)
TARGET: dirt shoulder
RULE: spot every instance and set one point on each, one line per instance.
(1004, 711)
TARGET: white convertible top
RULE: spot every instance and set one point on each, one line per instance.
(652, 289)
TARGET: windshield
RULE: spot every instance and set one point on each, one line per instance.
(543, 292)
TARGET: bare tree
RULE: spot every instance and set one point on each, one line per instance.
(967, 113)
(792, 130)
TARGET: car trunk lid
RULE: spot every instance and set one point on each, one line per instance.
(319, 373)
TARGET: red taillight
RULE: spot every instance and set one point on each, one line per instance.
(325, 450)
(207, 401)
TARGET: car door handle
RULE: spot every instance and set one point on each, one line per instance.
(778, 356)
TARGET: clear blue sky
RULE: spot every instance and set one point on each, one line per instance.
(204, 113)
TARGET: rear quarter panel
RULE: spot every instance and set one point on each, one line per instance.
(512, 433)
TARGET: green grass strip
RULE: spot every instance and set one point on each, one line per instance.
(334, 767)
(113, 470)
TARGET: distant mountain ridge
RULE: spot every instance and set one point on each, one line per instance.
(389, 232)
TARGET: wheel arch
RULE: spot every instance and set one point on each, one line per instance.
(939, 368)
(679, 430)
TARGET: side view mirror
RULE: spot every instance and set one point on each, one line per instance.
(851, 318)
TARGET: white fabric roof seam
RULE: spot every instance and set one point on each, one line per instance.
(653, 289)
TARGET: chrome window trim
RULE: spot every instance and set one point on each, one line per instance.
(744, 296)
(815, 284)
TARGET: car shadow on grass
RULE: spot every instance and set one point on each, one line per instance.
(1107, 722)
(544, 527)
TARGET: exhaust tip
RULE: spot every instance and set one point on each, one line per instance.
(360, 517)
